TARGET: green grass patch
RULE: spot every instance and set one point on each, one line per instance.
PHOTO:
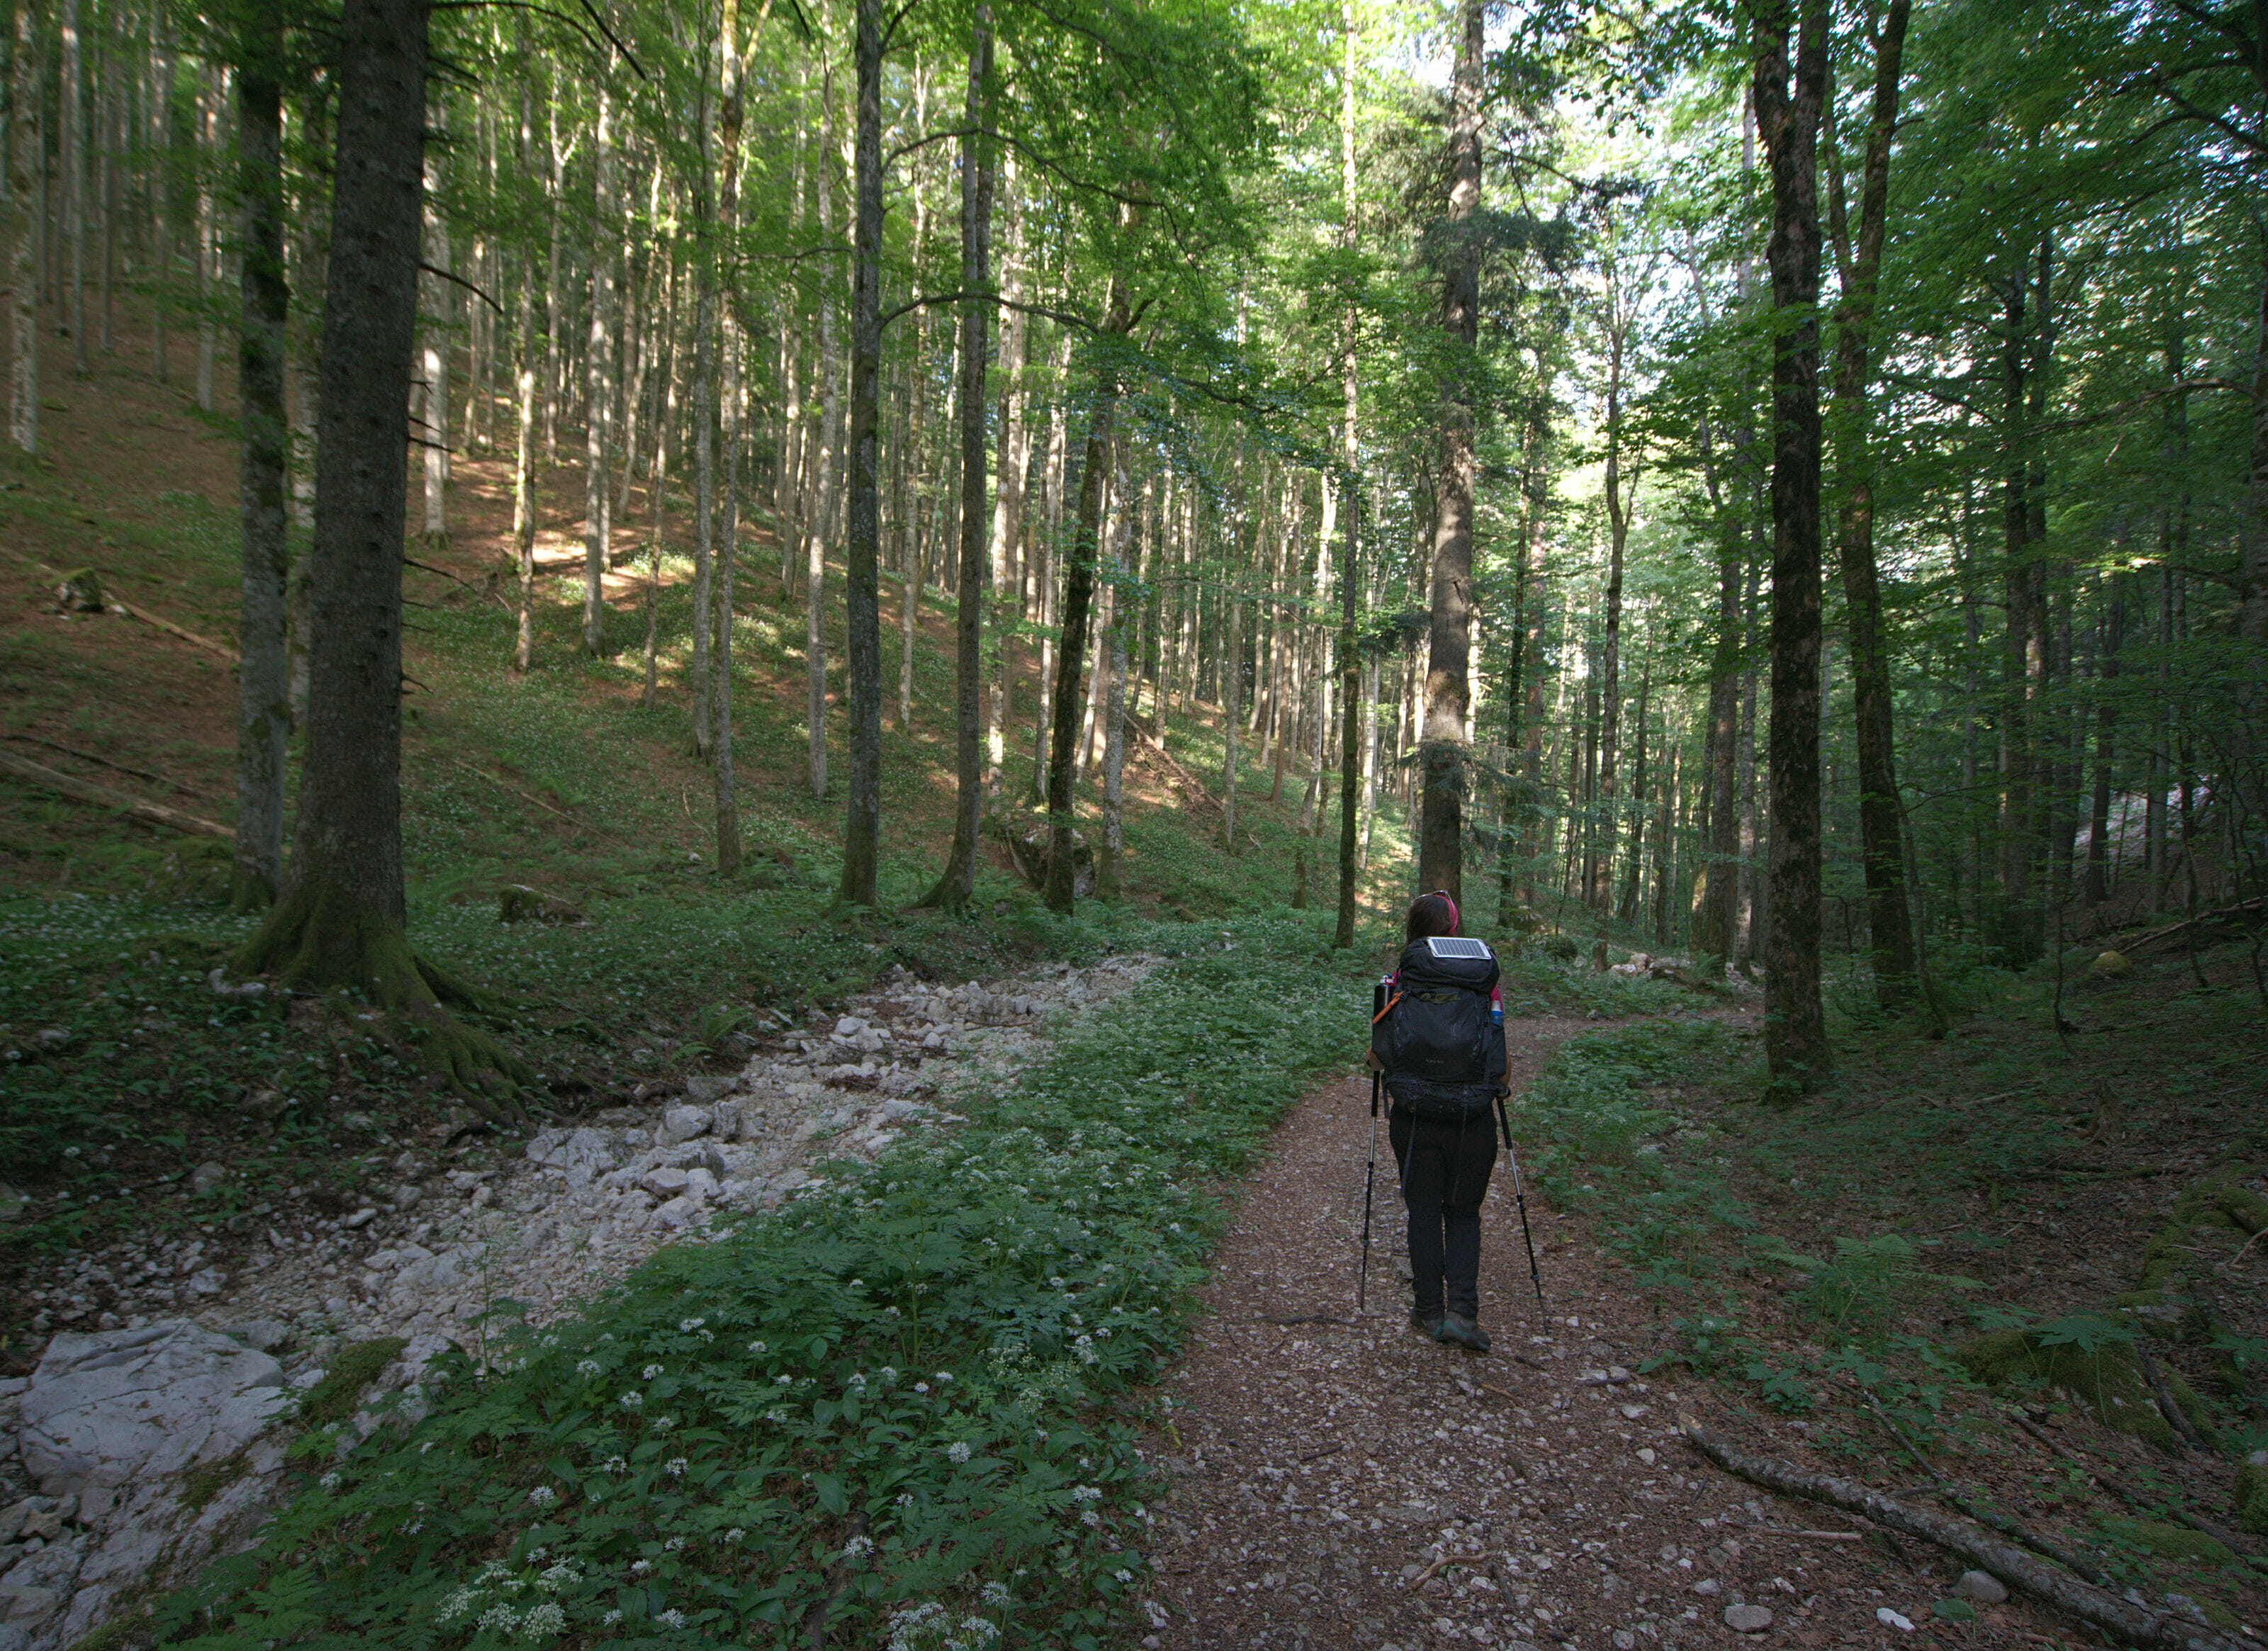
(912, 1393)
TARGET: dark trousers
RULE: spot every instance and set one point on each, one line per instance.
(1445, 1175)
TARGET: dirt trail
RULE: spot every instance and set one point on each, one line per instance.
(1346, 1484)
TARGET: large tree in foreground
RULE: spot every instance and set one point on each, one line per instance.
(341, 922)
(1789, 87)
(1441, 835)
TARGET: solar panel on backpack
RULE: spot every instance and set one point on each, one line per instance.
(1447, 946)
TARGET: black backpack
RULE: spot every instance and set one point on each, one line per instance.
(1442, 1049)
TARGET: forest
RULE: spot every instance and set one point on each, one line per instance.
(569, 563)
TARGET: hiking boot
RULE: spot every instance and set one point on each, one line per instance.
(1456, 1330)
(1426, 1320)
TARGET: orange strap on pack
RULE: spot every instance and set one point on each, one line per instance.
(1387, 1010)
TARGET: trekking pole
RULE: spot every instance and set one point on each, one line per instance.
(1369, 1181)
(1520, 1197)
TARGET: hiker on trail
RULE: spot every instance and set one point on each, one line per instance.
(1438, 1042)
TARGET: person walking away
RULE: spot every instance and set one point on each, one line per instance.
(1440, 1043)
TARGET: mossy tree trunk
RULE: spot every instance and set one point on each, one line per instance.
(264, 713)
(341, 923)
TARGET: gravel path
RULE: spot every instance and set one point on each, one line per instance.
(1344, 1484)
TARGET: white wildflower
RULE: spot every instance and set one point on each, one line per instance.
(502, 1618)
(460, 1603)
(543, 1496)
(1090, 1517)
(944, 1376)
(413, 1528)
(980, 1628)
(857, 1381)
(996, 1594)
(639, 1567)
(757, 1347)
(566, 1573)
(958, 1450)
(663, 1424)
(614, 1465)
(921, 1387)
(1085, 1493)
(857, 1548)
(776, 1416)
(688, 1325)
(586, 1366)
(633, 1401)
(889, 1372)
(734, 1534)
(674, 1467)
(649, 1372)
(610, 1618)
(671, 1618)
(332, 1480)
(786, 1380)
(1123, 1574)
(545, 1620)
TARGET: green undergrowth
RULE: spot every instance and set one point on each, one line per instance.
(121, 1067)
(909, 1400)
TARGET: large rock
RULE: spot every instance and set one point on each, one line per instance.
(120, 1406)
(582, 1153)
(682, 1123)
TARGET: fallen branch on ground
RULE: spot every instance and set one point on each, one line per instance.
(2137, 1625)
(87, 791)
(2255, 906)
(2060, 1552)
(91, 757)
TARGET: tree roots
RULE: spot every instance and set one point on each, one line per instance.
(318, 939)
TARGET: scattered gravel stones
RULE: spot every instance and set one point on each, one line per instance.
(1747, 1618)
(94, 1445)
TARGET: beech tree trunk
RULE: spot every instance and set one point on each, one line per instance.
(1440, 847)
(1114, 737)
(1881, 821)
(1015, 445)
(598, 391)
(523, 468)
(1078, 600)
(953, 888)
(23, 203)
(723, 551)
(263, 703)
(862, 828)
(1788, 90)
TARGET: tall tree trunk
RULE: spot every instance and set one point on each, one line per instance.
(820, 517)
(524, 505)
(1347, 486)
(1078, 600)
(598, 385)
(862, 829)
(2014, 928)
(725, 551)
(23, 201)
(1440, 847)
(263, 702)
(1788, 97)
(208, 249)
(953, 888)
(437, 315)
(1888, 927)
(70, 130)
(1626, 909)
(1114, 738)
(2106, 719)
(1607, 821)
(341, 922)
(1015, 445)
(1231, 719)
